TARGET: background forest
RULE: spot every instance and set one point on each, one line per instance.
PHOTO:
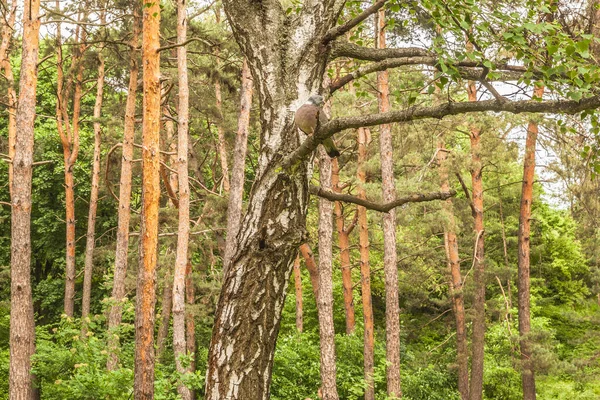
(89, 50)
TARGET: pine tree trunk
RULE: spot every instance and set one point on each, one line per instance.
(527, 372)
(124, 213)
(478, 341)
(344, 243)
(7, 34)
(298, 287)
(365, 268)
(190, 326)
(222, 145)
(91, 228)
(456, 280)
(146, 284)
(238, 173)
(248, 314)
(392, 308)
(165, 313)
(311, 266)
(325, 296)
(183, 230)
(22, 334)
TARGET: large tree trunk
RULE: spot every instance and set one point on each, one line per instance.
(344, 243)
(249, 311)
(365, 268)
(91, 228)
(183, 230)
(392, 308)
(22, 334)
(527, 371)
(325, 296)
(124, 213)
(478, 341)
(7, 34)
(238, 173)
(456, 281)
(298, 288)
(146, 284)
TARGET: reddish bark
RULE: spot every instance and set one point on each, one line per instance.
(311, 266)
(298, 287)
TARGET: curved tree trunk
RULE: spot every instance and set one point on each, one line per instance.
(392, 307)
(249, 310)
(527, 372)
(146, 283)
(124, 213)
(22, 334)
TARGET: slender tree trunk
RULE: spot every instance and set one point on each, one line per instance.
(325, 296)
(165, 313)
(392, 308)
(91, 228)
(456, 280)
(344, 243)
(190, 326)
(298, 287)
(146, 285)
(236, 193)
(183, 230)
(311, 266)
(222, 145)
(478, 341)
(124, 213)
(527, 372)
(22, 334)
(5, 65)
(365, 268)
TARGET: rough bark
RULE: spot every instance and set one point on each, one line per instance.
(527, 368)
(298, 287)
(183, 230)
(68, 129)
(456, 280)
(365, 268)
(478, 338)
(124, 213)
(392, 308)
(344, 243)
(249, 310)
(22, 334)
(236, 193)
(91, 228)
(5, 66)
(165, 314)
(325, 296)
(146, 283)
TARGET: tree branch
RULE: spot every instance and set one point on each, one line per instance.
(341, 29)
(386, 207)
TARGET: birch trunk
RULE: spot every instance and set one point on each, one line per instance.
(325, 296)
(146, 284)
(392, 308)
(236, 193)
(22, 334)
(527, 371)
(365, 268)
(124, 213)
(183, 230)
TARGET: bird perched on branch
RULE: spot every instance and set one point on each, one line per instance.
(306, 119)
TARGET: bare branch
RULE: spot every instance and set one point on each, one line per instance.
(412, 198)
(341, 29)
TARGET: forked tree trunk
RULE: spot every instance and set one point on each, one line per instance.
(91, 228)
(527, 371)
(344, 243)
(183, 230)
(325, 296)
(22, 334)
(124, 213)
(146, 283)
(478, 340)
(238, 173)
(392, 308)
(456, 280)
(7, 33)
(248, 314)
(365, 268)
(298, 288)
